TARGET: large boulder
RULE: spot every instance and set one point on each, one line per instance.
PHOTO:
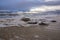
(25, 19)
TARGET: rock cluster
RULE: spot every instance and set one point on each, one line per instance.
(25, 19)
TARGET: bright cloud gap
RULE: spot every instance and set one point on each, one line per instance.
(44, 9)
(51, 0)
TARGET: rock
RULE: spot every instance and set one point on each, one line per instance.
(53, 21)
(5, 24)
(25, 19)
(42, 23)
(32, 23)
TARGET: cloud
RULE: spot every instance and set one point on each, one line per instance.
(51, 0)
(45, 8)
(25, 5)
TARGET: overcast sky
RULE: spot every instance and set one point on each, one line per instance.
(25, 5)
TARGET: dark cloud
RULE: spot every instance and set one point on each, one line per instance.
(23, 5)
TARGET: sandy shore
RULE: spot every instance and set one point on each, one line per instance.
(41, 32)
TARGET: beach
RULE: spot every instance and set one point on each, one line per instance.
(29, 19)
(33, 32)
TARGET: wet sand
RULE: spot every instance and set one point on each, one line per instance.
(41, 32)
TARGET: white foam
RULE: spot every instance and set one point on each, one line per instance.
(17, 20)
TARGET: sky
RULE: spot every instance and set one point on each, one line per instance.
(30, 5)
